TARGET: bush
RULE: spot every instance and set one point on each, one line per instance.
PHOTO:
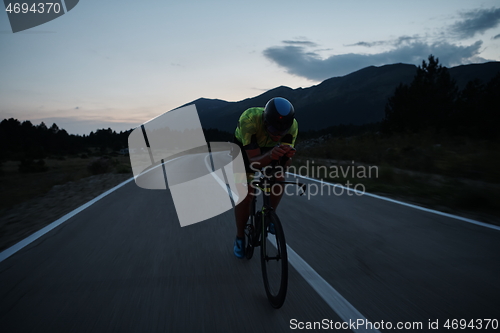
(123, 168)
(36, 152)
(476, 199)
(386, 173)
(99, 165)
(29, 166)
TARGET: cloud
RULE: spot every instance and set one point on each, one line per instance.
(297, 61)
(476, 22)
(367, 44)
(302, 58)
(30, 32)
(299, 42)
(393, 42)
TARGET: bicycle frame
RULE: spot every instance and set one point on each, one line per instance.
(265, 184)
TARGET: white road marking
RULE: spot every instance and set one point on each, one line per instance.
(28, 240)
(491, 226)
(33, 237)
(332, 297)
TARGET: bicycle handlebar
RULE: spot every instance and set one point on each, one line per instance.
(266, 173)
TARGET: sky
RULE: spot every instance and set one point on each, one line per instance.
(120, 63)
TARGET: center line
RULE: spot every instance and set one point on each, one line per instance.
(332, 297)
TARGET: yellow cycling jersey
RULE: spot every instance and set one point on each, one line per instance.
(251, 131)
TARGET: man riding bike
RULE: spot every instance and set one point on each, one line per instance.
(264, 135)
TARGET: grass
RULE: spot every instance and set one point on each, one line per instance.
(424, 152)
(17, 187)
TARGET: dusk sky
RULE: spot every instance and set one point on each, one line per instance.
(119, 63)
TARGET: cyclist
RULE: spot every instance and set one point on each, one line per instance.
(263, 135)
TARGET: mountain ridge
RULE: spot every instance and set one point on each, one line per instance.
(357, 98)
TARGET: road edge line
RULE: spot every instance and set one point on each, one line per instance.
(465, 219)
(30, 239)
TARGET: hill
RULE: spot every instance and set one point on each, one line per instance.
(357, 98)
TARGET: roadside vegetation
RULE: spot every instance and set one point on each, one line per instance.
(471, 198)
(34, 159)
(425, 152)
(20, 182)
(437, 146)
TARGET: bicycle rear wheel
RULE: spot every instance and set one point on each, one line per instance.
(274, 261)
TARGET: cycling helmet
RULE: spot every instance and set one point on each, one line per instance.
(278, 116)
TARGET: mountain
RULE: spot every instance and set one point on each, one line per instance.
(484, 72)
(357, 98)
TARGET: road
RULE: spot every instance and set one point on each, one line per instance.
(124, 264)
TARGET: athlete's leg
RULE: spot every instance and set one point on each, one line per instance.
(242, 210)
(278, 189)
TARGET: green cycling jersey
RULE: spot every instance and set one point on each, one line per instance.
(252, 133)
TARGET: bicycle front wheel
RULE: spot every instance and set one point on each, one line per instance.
(249, 238)
(274, 261)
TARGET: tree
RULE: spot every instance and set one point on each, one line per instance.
(490, 116)
(477, 111)
(426, 103)
(54, 128)
(468, 107)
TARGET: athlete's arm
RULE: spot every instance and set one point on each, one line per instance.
(258, 160)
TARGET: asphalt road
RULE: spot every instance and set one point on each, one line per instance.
(124, 264)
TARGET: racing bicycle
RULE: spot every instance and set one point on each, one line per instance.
(264, 229)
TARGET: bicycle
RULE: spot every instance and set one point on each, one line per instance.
(273, 257)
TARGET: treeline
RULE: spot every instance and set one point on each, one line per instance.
(215, 135)
(23, 140)
(339, 131)
(432, 101)
(26, 141)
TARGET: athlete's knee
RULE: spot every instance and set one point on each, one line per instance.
(277, 190)
(248, 197)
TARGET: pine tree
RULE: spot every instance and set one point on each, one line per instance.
(426, 103)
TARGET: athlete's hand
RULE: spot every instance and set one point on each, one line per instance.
(289, 150)
(277, 152)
